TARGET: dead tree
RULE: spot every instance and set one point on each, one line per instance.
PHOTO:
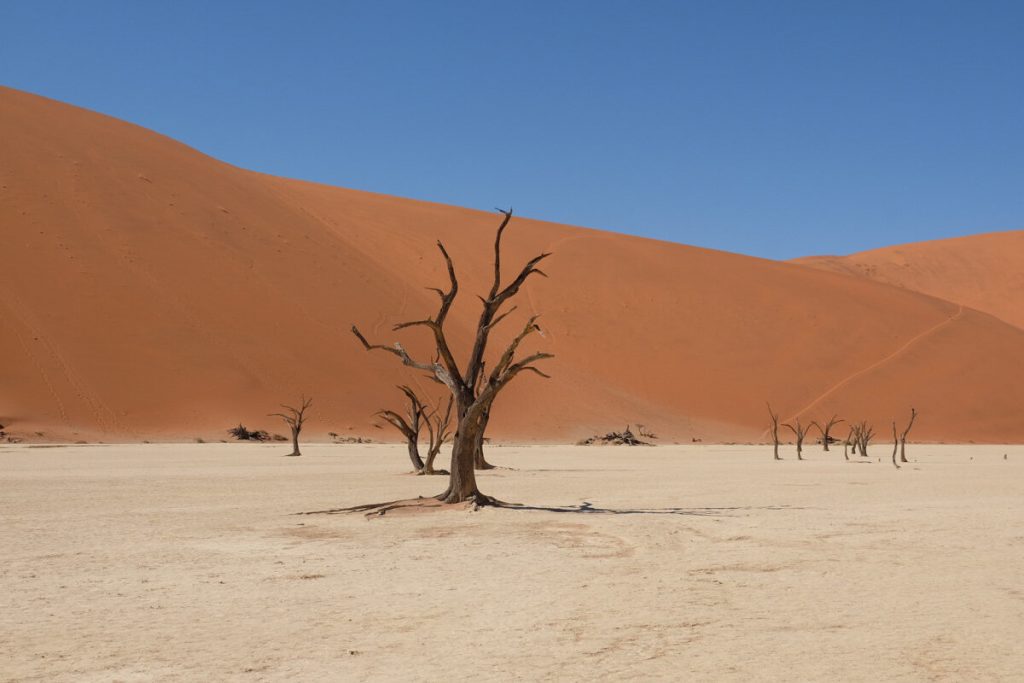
(295, 418)
(826, 428)
(903, 436)
(775, 430)
(895, 444)
(439, 431)
(800, 431)
(851, 440)
(408, 425)
(473, 390)
(864, 434)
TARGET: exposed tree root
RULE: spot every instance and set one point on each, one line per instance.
(434, 504)
(413, 505)
(474, 501)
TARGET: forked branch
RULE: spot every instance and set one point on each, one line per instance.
(774, 429)
(903, 436)
(800, 431)
(826, 429)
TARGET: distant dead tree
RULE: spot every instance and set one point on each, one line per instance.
(439, 431)
(895, 444)
(775, 430)
(295, 418)
(864, 434)
(903, 436)
(800, 431)
(851, 440)
(473, 392)
(825, 429)
(408, 425)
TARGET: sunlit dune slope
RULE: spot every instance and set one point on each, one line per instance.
(149, 291)
(984, 271)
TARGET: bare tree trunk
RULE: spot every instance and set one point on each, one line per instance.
(438, 424)
(775, 430)
(903, 436)
(295, 418)
(462, 485)
(864, 434)
(478, 456)
(895, 443)
(826, 429)
(414, 456)
(479, 462)
(409, 425)
(428, 466)
(800, 431)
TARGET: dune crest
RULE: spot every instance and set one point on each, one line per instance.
(984, 272)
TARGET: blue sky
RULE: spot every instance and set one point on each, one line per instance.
(769, 128)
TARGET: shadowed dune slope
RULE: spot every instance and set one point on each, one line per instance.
(149, 291)
(984, 271)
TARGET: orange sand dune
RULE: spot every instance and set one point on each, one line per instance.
(149, 291)
(985, 271)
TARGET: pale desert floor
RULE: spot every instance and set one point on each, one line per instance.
(187, 562)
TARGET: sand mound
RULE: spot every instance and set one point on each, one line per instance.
(149, 291)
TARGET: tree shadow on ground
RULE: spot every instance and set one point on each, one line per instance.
(587, 508)
(414, 505)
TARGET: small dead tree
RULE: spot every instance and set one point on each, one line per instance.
(865, 432)
(439, 431)
(895, 444)
(408, 425)
(775, 430)
(825, 429)
(295, 418)
(851, 440)
(903, 436)
(800, 431)
(473, 390)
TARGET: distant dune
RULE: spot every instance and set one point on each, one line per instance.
(150, 291)
(985, 272)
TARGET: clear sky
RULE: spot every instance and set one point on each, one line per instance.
(769, 128)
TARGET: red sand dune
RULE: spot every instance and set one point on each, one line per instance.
(985, 272)
(149, 291)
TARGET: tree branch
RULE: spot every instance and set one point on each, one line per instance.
(440, 373)
(497, 251)
(506, 358)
